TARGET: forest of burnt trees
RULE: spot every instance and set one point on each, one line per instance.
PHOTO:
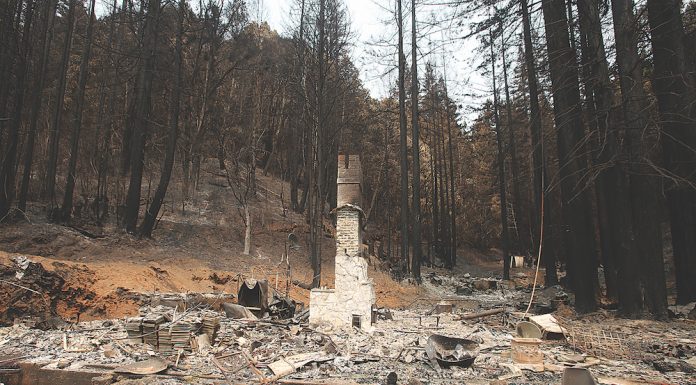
(583, 152)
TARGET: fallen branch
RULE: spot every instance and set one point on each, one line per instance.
(86, 233)
(482, 314)
(222, 370)
(253, 368)
(290, 381)
(20, 286)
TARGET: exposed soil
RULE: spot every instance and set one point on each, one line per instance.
(49, 295)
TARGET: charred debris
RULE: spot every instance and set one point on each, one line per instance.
(477, 332)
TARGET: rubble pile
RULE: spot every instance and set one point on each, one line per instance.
(480, 337)
(266, 350)
(476, 293)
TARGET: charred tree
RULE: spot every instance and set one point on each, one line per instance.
(643, 187)
(317, 159)
(36, 103)
(54, 137)
(514, 163)
(403, 146)
(675, 100)
(415, 139)
(612, 182)
(505, 235)
(453, 203)
(141, 115)
(150, 218)
(548, 257)
(576, 204)
(66, 209)
(8, 170)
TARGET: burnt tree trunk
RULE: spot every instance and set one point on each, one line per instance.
(453, 201)
(316, 200)
(549, 259)
(445, 206)
(141, 115)
(612, 182)
(36, 103)
(54, 138)
(150, 218)
(434, 195)
(505, 235)
(403, 145)
(415, 138)
(514, 168)
(8, 56)
(576, 204)
(671, 84)
(8, 169)
(66, 209)
(644, 190)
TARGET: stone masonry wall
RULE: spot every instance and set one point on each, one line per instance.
(350, 268)
(324, 305)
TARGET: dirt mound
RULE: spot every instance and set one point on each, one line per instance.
(29, 291)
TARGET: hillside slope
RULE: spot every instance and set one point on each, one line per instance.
(198, 250)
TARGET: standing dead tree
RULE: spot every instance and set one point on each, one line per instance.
(148, 223)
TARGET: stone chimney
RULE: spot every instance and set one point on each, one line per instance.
(350, 304)
(350, 266)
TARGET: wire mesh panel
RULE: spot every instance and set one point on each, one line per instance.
(597, 341)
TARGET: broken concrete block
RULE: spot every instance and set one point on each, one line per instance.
(549, 326)
(526, 351)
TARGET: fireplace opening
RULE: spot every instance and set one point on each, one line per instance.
(356, 322)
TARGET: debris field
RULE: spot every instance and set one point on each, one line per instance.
(470, 330)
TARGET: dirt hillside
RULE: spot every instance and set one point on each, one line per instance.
(198, 250)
